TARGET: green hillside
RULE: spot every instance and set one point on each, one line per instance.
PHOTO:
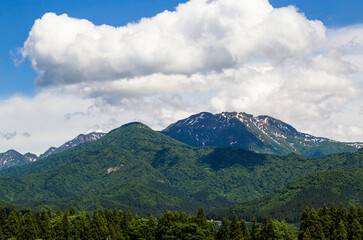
(136, 168)
(314, 190)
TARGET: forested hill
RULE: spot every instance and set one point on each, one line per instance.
(314, 190)
(136, 168)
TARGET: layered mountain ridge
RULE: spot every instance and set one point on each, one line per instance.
(136, 168)
(82, 138)
(261, 134)
(13, 158)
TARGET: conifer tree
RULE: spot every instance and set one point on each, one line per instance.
(325, 220)
(29, 226)
(256, 230)
(341, 214)
(2, 235)
(59, 212)
(236, 231)
(353, 214)
(282, 230)
(224, 230)
(116, 217)
(316, 230)
(45, 230)
(13, 225)
(85, 227)
(212, 230)
(183, 217)
(340, 232)
(111, 232)
(265, 230)
(37, 221)
(151, 228)
(164, 224)
(305, 235)
(49, 212)
(304, 222)
(360, 215)
(98, 226)
(355, 231)
(72, 211)
(66, 228)
(3, 217)
(244, 230)
(176, 217)
(201, 220)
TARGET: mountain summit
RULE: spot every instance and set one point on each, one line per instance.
(82, 138)
(13, 158)
(261, 134)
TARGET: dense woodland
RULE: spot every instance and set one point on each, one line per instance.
(136, 168)
(325, 223)
(145, 172)
(314, 190)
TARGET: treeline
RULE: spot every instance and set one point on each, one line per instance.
(326, 223)
(122, 225)
(332, 223)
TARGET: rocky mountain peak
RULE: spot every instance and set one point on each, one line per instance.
(13, 158)
(82, 138)
(262, 134)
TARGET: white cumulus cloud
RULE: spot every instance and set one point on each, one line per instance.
(207, 55)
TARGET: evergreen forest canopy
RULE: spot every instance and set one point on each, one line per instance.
(326, 223)
(141, 170)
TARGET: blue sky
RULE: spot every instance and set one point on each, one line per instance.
(330, 52)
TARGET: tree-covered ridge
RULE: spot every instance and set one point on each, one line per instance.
(332, 223)
(326, 223)
(314, 190)
(122, 225)
(136, 168)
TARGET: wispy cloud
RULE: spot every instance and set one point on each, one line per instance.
(27, 135)
(8, 135)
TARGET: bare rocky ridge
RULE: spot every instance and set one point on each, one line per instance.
(13, 158)
(82, 138)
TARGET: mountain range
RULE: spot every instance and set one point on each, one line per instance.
(81, 138)
(13, 158)
(263, 134)
(136, 168)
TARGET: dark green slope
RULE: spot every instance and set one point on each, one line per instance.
(116, 170)
(314, 190)
(136, 168)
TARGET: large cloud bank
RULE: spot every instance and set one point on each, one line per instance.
(207, 55)
(200, 36)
